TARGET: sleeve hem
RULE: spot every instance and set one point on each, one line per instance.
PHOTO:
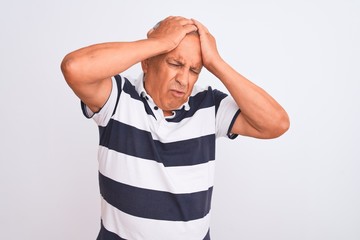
(229, 134)
(87, 111)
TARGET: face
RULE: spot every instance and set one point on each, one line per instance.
(170, 78)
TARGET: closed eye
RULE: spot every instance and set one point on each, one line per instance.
(195, 70)
(175, 64)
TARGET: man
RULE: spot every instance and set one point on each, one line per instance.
(158, 132)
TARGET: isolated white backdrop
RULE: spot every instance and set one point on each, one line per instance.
(302, 186)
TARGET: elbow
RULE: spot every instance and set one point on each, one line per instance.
(66, 66)
(276, 126)
(69, 68)
(281, 125)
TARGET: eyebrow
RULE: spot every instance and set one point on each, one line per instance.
(180, 61)
(175, 60)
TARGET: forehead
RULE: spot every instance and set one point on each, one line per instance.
(188, 51)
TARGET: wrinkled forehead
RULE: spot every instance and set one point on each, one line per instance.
(190, 48)
(187, 52)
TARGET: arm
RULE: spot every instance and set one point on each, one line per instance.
(261, 116)
(88, 71)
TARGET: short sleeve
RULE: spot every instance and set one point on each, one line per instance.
(103, 116)
(226, 114)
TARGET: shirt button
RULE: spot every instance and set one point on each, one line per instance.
(156, 108)
(147, 98)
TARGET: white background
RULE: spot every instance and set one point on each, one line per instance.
(302, 186)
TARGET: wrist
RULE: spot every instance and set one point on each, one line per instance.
(216, 65)
(162, 45)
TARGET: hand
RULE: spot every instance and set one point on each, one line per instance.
(172, 30)
(209, 52)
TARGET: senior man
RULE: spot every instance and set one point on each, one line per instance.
(158, 131)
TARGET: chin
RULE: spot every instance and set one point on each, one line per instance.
(175, 103)
(175, 106)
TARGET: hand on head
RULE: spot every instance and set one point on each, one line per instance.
(172, 30)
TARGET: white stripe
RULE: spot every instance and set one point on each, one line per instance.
(201, 124)
(224, 116)
(102, 118)
(150, 174)
(136, 228)
(131, 112)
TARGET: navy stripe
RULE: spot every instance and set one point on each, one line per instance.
(147, 108)
(153, 204)
(207, 237)
(126, 139)
(131, 141)
(187, 152)
(118, 84)
(131, 91)
(104, 234)
(83, 109)
(204, 99)
(218, 97)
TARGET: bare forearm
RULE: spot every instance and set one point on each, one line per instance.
(258, 108)
(101, 61)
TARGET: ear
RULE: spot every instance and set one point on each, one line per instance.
(145, 65)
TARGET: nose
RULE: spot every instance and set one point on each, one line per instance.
(182, 78)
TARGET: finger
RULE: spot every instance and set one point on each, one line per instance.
(200, 26)
(186, 21)
(190, 28)
(149, 32)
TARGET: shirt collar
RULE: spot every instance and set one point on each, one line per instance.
(139, 87)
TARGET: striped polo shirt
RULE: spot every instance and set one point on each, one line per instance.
(156, 173)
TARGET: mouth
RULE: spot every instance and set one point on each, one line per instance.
(177, 93)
